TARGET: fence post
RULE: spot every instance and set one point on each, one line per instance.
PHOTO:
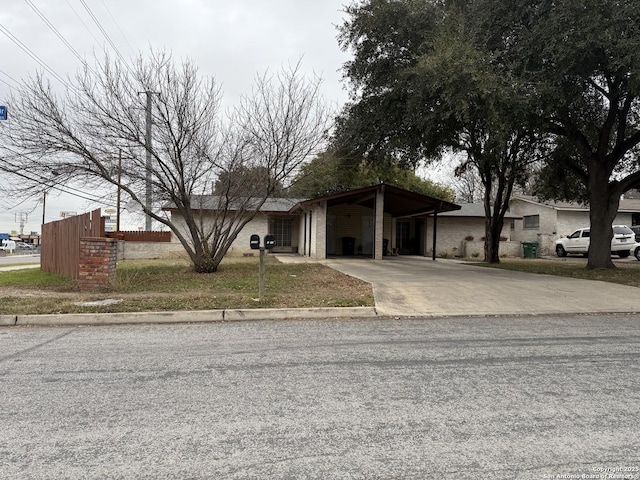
(98, 258)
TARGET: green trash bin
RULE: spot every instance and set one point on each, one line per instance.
(530, 249)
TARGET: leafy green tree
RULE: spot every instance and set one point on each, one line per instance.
(248, 181)
(328, 173)
(324, 175)
(581, 61)
(421, 87)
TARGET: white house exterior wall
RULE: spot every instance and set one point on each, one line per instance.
(452, 232)
(258, 225)
(548, 221)
(623, 219)
(570, 221)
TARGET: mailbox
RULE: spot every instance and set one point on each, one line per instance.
(254, 242)
(269, 242)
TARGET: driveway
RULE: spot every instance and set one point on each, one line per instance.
(418, 286)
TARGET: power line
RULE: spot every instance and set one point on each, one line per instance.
(28, 51)
(64, 189)
(118, 27)
(6, 83)
(10, 77)
(57, 32)
(82, 21)
(104, 32)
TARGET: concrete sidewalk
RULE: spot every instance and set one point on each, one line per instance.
(408, 286)
(417, 286)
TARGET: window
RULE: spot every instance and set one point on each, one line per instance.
(280, 228)
(531, 221)
(635, 219)
(403, 229)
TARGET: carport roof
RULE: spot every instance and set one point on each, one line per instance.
(398, 202)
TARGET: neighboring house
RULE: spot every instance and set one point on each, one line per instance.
(371, 221)
(545, 222)
(462, 232)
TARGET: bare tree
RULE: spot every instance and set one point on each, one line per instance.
(82, 135)
(467, 185)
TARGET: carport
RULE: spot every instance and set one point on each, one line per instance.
(368, 216)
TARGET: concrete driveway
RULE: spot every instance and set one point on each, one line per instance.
(417, 286)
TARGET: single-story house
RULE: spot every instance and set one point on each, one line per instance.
(371, 221)
(546, 221)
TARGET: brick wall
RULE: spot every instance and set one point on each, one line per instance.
(97, 263)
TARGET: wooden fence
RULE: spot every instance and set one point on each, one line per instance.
(60, 251)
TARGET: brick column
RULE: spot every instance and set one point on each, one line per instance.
(97, 267)
(379, 224)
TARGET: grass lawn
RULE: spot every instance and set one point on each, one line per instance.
(157, 285)
(627, 273)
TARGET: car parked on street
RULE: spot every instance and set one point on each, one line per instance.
(635, 251)
(636, 230)
(578, 242)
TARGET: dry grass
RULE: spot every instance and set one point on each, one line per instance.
(171, 285)
(627, 273)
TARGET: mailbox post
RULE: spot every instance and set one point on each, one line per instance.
(254, 243)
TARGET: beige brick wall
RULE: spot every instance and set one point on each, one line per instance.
(452, 232)
(349, 223)
(258, 225)
(548, 220)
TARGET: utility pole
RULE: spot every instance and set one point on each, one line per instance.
(148, 195)
(118, 195)
(44, 206)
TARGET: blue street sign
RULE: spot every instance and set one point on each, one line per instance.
(3, 112)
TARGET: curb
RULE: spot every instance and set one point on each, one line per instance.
(195, 316)
(8, 320)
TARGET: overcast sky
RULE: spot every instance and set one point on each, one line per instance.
(233, 40)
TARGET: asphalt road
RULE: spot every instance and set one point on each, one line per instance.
(19, 258)
(481, 398)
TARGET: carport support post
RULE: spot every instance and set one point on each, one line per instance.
(435, 232)
(379, 224)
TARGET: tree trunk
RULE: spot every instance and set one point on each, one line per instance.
(604, 203)
(493, 229)
(493, 222)
(205, 263)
